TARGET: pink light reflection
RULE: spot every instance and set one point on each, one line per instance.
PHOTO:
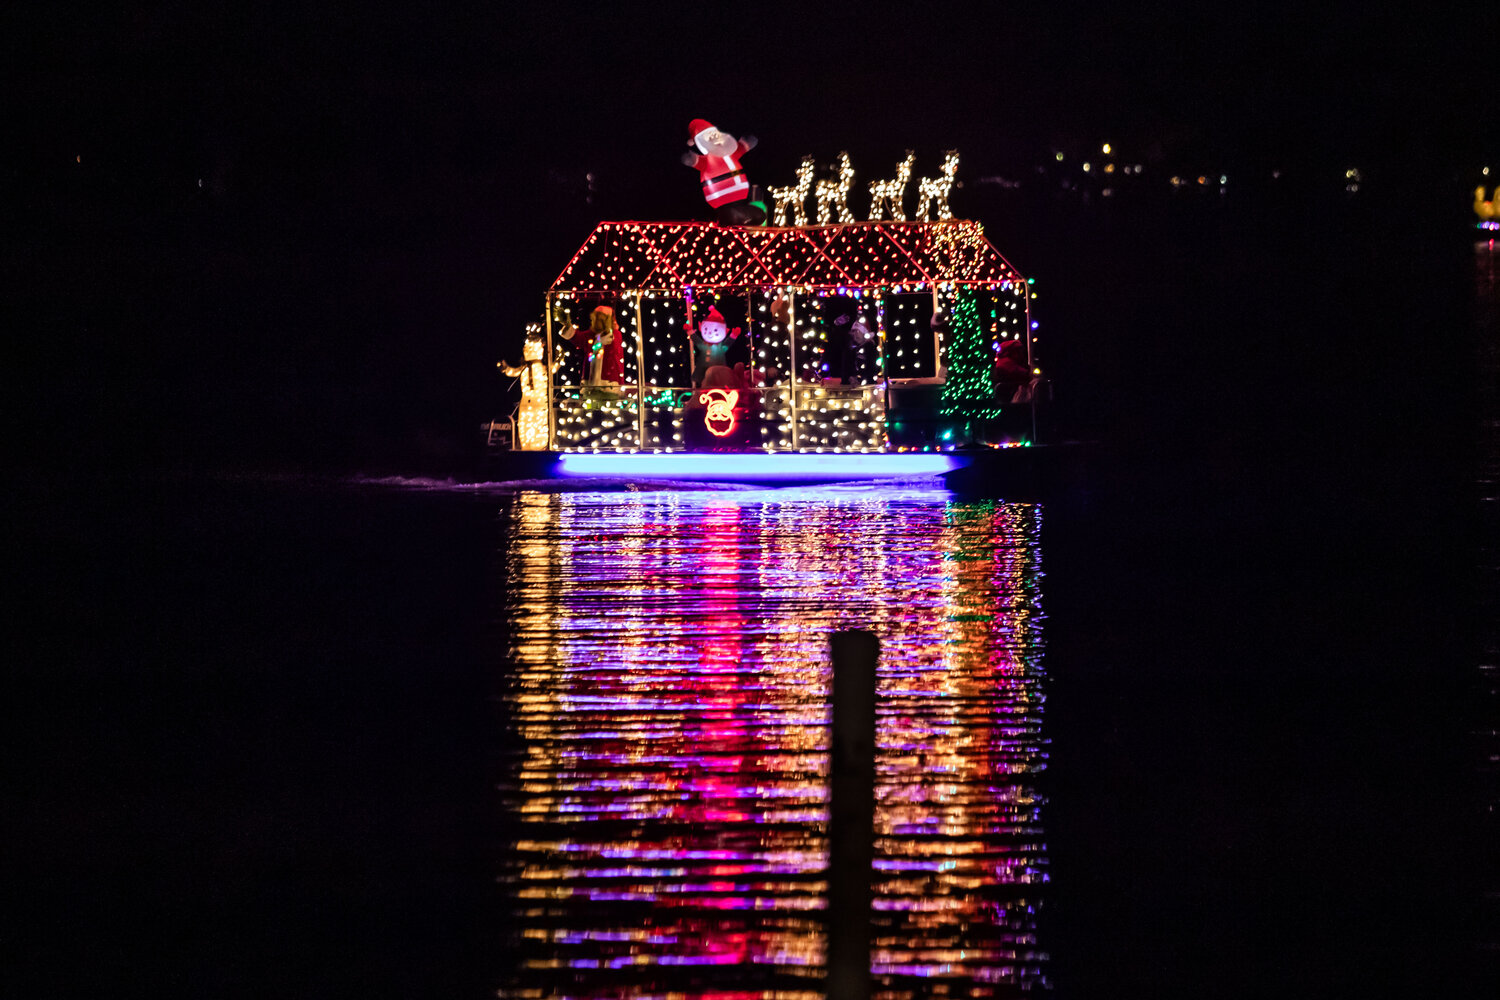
(669, 688)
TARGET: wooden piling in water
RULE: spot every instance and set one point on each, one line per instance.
(851, 826)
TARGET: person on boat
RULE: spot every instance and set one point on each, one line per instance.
(849, 339)
(1013, 376)
(602, 344)
(711, 343)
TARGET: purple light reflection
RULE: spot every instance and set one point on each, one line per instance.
(668, 683)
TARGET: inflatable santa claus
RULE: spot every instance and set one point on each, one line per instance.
(716, 157)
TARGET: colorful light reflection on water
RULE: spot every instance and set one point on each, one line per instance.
(669, 680)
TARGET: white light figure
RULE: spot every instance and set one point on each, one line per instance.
(934, 190)
(892, 192)
(531, 418)
(835, 194)
(793, 198)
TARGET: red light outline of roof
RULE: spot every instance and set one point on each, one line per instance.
(905, 243)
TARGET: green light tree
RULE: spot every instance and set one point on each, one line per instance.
(969, 391)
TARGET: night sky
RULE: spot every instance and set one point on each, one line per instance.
(303, 237)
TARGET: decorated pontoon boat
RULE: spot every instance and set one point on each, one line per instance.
(843, 350)
(840, 349)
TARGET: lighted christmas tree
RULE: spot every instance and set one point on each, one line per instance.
(968, 392)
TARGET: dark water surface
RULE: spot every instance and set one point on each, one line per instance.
(335, 739)
(1486, 686)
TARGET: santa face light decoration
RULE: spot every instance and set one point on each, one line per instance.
(719, 417)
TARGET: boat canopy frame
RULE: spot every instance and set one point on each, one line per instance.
(634, 260)
(674, 257)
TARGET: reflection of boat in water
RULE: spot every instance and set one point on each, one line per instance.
(804, 353)
(666, 791)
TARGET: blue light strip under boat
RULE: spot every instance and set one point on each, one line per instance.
(783, 465)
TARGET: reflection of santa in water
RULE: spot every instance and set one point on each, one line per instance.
(604, 347)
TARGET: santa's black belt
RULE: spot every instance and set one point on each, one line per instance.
(723, 177)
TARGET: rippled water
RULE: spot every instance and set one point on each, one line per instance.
(1486, 691)
(669, 679)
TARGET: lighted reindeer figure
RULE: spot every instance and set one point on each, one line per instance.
(934, 190)
(794, 197)
(836, 193)
(891, 192)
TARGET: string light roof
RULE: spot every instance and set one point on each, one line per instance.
(672, 256)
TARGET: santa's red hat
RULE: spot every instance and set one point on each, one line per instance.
(696, 127)
(713, 316)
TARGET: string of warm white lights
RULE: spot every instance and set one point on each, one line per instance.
(933, 191)
(908, 349)
(834, 194)
(532, 374)
(791, 201)
(891, 193)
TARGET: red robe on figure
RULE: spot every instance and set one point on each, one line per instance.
(603, 363)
